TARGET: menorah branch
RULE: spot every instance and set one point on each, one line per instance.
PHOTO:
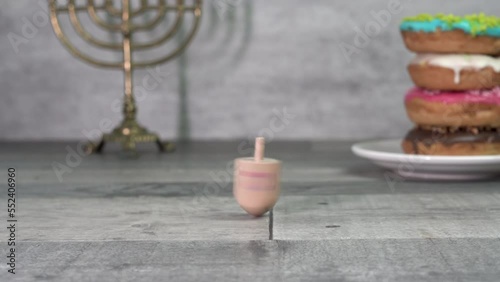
(172, 8)
(60, 9)
(71, 48)
(100, 22)
(171, 32)
(176, 51)
(110, 9)
(161, 12)
(141, 10)
(117, 13)
(87, 36)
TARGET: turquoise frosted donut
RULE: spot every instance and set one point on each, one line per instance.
(476, 24)
(471, 34)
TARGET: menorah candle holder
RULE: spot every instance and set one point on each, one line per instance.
(129, 132)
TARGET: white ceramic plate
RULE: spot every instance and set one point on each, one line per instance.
(388, 154)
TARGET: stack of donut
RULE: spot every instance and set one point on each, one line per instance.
(456, 102)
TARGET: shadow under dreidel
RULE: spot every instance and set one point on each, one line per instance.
(238, 217)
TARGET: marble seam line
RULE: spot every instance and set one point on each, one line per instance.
(271, 224)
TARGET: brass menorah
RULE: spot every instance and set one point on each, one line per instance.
(129, 132)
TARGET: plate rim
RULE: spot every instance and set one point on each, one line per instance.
(360, 150)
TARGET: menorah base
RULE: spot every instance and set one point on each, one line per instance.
(129, 133)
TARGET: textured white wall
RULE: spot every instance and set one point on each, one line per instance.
(248, 59)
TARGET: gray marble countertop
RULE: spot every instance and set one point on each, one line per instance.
(172, 217)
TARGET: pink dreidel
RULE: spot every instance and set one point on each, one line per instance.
(257, 181)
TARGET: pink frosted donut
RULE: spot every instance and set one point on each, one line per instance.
(478, 108)
(491, 96)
